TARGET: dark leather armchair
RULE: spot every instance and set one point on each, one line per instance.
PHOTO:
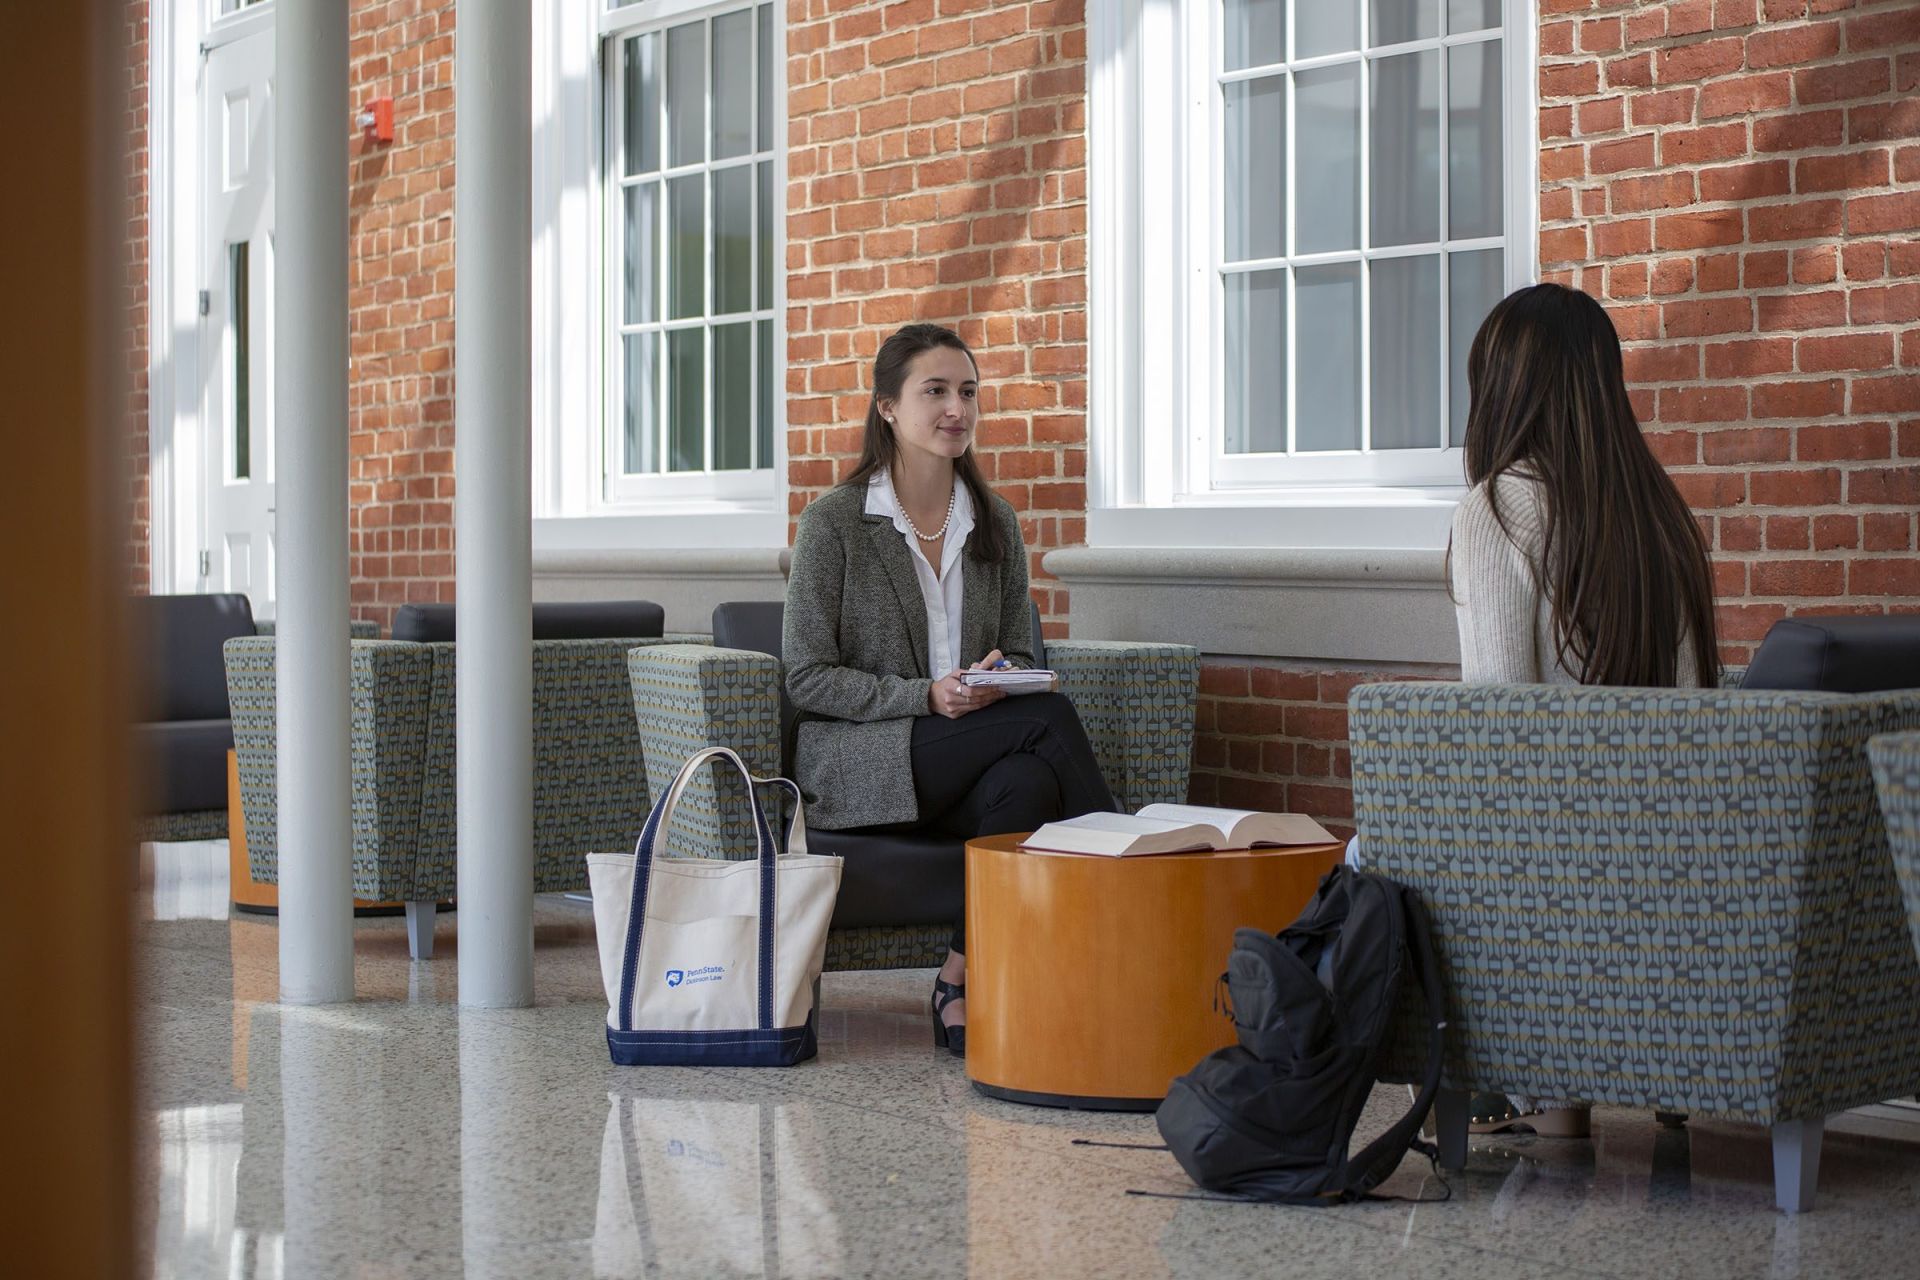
(185, 727)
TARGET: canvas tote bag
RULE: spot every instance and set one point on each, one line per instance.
(709, 962)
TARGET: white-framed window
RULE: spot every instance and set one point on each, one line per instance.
(659, 282)
(691, 252)
(1299, 218)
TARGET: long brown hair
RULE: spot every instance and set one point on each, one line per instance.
(880, 447)
(1623, 564)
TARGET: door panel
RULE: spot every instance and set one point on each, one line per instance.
(237, 322)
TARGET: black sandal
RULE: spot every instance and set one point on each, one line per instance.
(953, 1039)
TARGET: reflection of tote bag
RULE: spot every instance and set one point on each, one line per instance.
(712, 962)
(700, 1187)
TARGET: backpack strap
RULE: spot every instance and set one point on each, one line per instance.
(1379, 1158)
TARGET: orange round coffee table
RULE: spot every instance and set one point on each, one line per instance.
(1091, 980)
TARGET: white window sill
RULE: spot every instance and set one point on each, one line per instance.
(1382, 519)
(714, 526)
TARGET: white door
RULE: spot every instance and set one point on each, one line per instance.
(236, 310)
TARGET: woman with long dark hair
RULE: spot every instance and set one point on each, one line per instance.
(1574, 559)
(908, 571)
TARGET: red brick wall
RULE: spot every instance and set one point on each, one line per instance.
(937, 171)
(1273, 735)
(400, 304)
(139, 186)
(1740, 180)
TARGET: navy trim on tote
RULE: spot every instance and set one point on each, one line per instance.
(782, 1047)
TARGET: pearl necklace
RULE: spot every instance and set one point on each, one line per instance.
(953, 499)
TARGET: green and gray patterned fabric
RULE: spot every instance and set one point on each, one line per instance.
(1137, 703)
(199, 824)
(589, 784)
(1896, 776)
(1136, 700)
(1673, 899)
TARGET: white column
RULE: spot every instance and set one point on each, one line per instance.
(310, 425)
(493, 515)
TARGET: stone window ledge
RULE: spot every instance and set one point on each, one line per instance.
(1329, 604)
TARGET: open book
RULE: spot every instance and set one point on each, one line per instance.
(1176, 828)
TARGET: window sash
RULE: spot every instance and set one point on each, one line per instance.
(765, 235)
(1209, 459)
(1155, 327)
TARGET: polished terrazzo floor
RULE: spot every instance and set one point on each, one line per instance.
(402, 1136)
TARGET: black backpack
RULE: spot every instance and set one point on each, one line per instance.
(1270, 1118)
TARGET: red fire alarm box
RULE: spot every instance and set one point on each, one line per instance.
(376, 122)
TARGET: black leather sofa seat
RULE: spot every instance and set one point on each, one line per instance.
(561, 620)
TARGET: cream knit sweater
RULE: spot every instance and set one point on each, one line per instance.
(1505, 619)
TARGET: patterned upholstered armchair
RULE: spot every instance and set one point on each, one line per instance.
(899, 896)
(1676, 900)
(589, 784)
(1896, 776)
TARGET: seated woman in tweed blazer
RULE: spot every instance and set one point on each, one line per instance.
(907, 572)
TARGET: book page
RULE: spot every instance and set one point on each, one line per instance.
(1222, 819)
(1244, 828)
(1117, 834)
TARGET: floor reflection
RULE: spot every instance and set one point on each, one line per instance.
(404, 1136)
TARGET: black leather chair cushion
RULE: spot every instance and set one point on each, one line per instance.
(895, 879)
(183, 764)
(558, 620)
(1838, 654)
(179, 639)
(753, 625)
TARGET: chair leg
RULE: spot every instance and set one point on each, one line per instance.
(1796, 1163)
(420, 929)
(1450, 1116)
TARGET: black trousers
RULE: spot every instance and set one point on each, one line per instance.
(1012, 766)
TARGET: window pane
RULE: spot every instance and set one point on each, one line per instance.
(1405, 325)
(1395, 21)
(1473, 140)
(643, 253)
(686, 93)
(1472, 15)
(732, 241)
(239, 324)
(763, 414)
(1255, 334)
(1328, 135)
(1255, 164)
(643, 399)
(687, 246)
(1325, 26)
(686, 398)
(733, 75)
(1327, 358)
(764, 44)
(1405, 149)
(1474, 284)
(763, 273)
(642, 55)
(1254, 33)
(732, 397)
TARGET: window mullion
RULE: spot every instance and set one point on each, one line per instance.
(1364, 233)
(1291, 401)
(1442, 128)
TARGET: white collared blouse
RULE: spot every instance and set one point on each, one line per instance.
(940, 590)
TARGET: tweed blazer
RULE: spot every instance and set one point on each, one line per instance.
(854, 644)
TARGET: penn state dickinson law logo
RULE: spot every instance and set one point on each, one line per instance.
(675, 977)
